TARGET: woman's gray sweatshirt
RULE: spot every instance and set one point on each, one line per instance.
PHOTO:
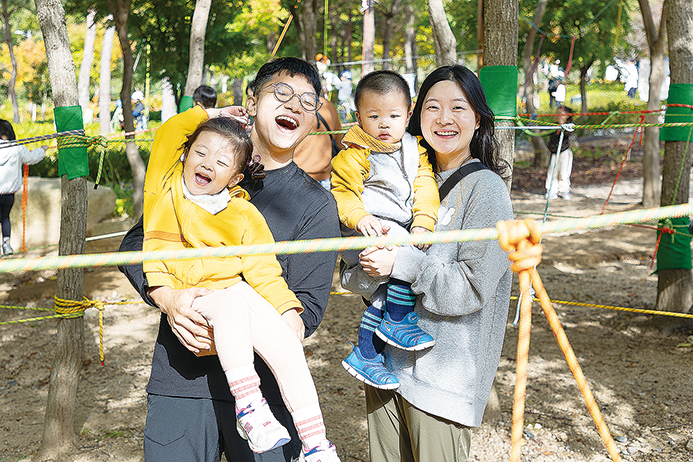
(464, 301)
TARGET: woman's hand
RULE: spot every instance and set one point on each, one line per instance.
(378, 262)
(189, 326)
(420, 230)
(293, 319)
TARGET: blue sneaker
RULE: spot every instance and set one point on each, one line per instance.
(370, 371)
(404, 334)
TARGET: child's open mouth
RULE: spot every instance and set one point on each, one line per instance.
(286, 122)
(202, 180)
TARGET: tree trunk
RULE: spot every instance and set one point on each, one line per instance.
(529, 67)
(443, 38)
(652, 184)
(368, 64)
(121, 12)
(583, 87)
(500, 49)
(87, 59)
(105, 81)
(198, 31)
(388, 32)
(675, 286)
(168, 100)
(541, 151)
(59, 425)
(410, 39)
(309, 24)
(11, 91)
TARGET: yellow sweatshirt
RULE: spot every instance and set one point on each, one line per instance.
(376, 178)
(172, 222)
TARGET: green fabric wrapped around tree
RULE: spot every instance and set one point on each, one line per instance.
(679, 93)
(186, 102)
(72, 161)
(500, 87)
(674, 251)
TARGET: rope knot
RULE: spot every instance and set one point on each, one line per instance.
(521, 238)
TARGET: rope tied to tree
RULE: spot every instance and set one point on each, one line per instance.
(522, 239)
(76, 309)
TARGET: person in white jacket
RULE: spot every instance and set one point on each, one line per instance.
(12, 157)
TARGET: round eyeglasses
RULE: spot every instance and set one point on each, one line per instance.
(283, 92)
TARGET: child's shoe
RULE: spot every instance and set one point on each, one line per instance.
(370, 371)
(404, 334)
(257, 424)
(566, 196)
(325, 452)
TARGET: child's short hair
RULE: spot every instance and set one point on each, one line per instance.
(7, 130)
(382, 82)
(206, 96)
(230, 129)
(291, 66)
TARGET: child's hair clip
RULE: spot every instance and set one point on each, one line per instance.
(256, 169)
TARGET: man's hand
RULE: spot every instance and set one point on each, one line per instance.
(369, 226)
(421, 230)
(189, 326)
(293, 319)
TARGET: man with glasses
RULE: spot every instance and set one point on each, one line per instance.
(190, 411)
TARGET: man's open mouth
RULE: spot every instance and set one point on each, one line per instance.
(287, 122)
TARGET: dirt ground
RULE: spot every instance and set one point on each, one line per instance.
(640, 377)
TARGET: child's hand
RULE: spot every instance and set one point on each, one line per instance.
(238, 113)
(293, 319)
(369, 226)
(420, 230)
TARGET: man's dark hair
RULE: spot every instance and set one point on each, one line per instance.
(291, 66)
(206, 96)
(382, 82)
(7, 130)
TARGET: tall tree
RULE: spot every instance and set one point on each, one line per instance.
(410, 50)
(368, 37)
(59, 425)
(500, 24)
(198, 31)
(675, 286)
(105, 79)
(444, 39)
(389, 11)
(84, 81)
(650, 162)
(500, 49)
(8, 9)
(120, 9)
(529, 67)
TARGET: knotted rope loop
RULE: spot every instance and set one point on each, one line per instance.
(76, 309)
(81, 141)
(521, 238)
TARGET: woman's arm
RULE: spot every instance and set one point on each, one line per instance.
(454, 278)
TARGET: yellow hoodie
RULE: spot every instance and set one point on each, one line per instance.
(172, 222)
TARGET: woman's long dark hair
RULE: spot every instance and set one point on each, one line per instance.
(483, 145)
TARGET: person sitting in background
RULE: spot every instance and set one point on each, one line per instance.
(205, 96)
(12, 158)
(314, 154)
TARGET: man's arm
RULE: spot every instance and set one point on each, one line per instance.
(188, 325)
